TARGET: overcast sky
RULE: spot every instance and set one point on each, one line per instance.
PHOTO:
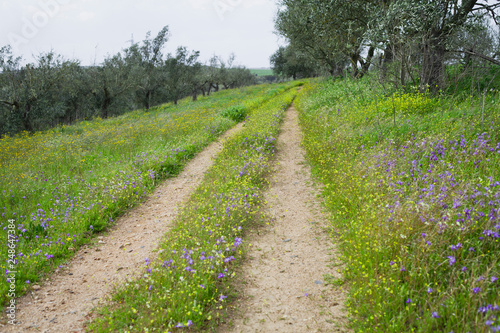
(89, 30)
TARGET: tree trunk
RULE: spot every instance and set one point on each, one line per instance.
(195, 96)
(336, 70)
(26, 118)
(385, 61)
(432, 64)
(148, 99)
(354, 63)
(402, 72)
(105, 104)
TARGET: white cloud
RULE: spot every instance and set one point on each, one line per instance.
(245, 28)
(86, 16)
(200, 4)
(29, 9)
(253, 3)
(210, 4)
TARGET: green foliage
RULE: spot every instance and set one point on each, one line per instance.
(413, 40)
(55, 91)
(466, 82)
(331, 32)
(288, 62)
(236, 112)
(414, 201)
(181, 72)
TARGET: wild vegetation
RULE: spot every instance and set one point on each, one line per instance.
(63, 185)
(404, 135)
(409, 156)
(54, 91)
(412, 184)
(190, 282)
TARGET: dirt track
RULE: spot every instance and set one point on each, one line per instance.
(284, 287)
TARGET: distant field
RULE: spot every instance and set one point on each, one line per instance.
(261, 72)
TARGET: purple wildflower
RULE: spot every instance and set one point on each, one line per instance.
(452, 260)
(237, 242)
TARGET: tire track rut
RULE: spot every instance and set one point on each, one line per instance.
(284, 288)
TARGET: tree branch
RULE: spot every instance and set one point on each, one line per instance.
(15, 104)
(490, 9)
(479, 55)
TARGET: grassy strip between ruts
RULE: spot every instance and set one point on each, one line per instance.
(189, 284)
(412, 182)
(63, 185)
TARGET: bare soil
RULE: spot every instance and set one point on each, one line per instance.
(284, 288)
(63, 302)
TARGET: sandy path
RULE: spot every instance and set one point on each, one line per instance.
(63, 302)
(284, 288)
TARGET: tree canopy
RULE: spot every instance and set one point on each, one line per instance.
(54, 90)
(420, 35)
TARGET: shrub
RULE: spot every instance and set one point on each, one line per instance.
(235, 112)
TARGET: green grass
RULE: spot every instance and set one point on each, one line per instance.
(262, 72)
(60, 187)
(412, 187)
(190, 284)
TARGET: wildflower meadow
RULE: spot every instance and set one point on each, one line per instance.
(410, 181)
(60, 187)
(412, 187)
